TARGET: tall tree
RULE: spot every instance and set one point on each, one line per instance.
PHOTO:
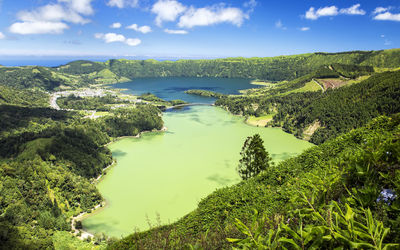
(254, 157)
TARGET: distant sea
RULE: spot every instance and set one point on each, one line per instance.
(57, 61)
(43, 61)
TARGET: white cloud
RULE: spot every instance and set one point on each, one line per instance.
(310, 14)
(382, 36)
(51, 13)
(52, 18)
(313, 14)
(81, 6)
(380, 10)
(279, 25)
(123, 3)
(305, 28)
(113, 37)
(116, 25)
(387, 16)
(189, 17)
(327, 11)
(26, 28)
(353, 10)
(167, 10)
(143, 29)
(212, 15)
(176, 32)
(2, 36)
(133, 41)
(251, 5)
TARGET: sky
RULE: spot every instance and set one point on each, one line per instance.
(195, 28)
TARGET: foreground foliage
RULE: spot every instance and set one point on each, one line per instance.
(332, 195)
(47, 161)
(254, 157)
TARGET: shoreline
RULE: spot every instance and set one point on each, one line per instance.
(260, 83)
(103, 204)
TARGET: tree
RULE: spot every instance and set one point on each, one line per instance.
(254, 157)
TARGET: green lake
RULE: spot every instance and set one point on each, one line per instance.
(166, 174)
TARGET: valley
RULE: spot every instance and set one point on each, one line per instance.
(62, 127)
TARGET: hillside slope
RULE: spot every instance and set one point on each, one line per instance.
(353, 170)
(335, 110)
(269, 68)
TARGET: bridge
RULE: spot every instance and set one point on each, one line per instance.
(189, 104)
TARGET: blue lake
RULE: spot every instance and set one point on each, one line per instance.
(172, 88)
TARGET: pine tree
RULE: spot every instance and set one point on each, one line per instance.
(254, 157)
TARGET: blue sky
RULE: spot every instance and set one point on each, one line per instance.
(195, 29)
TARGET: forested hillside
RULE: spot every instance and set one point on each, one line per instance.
(342, 193)
(29, 77)
(337, 194)
(84, 73)
(270, 68)
(11, 95)
(332, 112)
(48, 159)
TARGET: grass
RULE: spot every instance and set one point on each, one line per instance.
(65, 240)
(86, 64)
(101, 113)
(359, 79)
(309, 86)
(263, 83)
(259, 121)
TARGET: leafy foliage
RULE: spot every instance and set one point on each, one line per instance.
(307, 201)
(88, 103)
(25, 97)
(81, 67)
(338, 110)
(29, 77)
(272, 68)
(206, 93)
(254, 157)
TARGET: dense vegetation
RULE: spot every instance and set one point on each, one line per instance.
(342, 193)
(272, 68)
(47, 161)
(202, 92)
(89, 103)
(29, 77)
(81, 67)
(84, 73)
(337, 111)
(161, 102)
(326, 193)
(37, 198)
(255, 158)
(129, 122)
(25, 97)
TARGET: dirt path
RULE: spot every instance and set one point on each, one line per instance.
(316, 82)
(79, 217)
(53, 101)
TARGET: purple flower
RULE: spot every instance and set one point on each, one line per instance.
(387, 195)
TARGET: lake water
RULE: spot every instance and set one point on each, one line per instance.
(171, 88)
(166, 174)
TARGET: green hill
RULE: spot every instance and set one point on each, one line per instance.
(11, 95)
(29, 77)
(341, 194)
(267, 68)
(339, 180)
(272, 68)
(331, 112)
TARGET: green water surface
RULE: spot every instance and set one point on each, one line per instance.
(166, 174)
